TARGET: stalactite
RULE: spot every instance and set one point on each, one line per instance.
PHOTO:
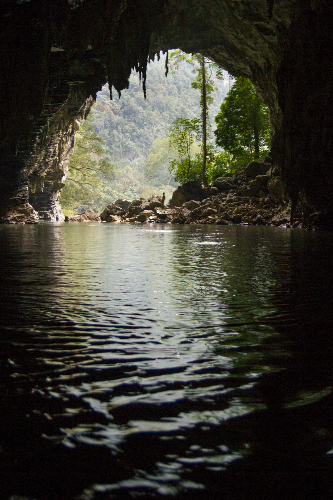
(287, 53)
(166, 63)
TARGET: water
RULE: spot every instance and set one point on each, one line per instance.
(162, 361)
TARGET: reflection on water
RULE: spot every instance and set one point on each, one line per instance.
(165, 361)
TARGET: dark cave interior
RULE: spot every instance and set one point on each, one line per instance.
(56, 56)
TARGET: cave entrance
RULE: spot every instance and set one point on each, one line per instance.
(55, 56)
(134, 130)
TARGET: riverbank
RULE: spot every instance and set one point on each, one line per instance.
(254, 196)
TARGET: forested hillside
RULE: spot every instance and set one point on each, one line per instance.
(132, 126)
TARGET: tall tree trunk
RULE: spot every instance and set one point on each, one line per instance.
(204, 121)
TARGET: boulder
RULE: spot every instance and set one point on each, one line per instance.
(135, 207)
(168, 215)
(91, 215)
(191, 190)
(113, 218)
(178, 199)
(87, 216)
(179, 219)
(223, 184)
(210, 191)
(111, 210)
(123, 204)
(256, 188)
(276, 188)
(263, 179)
(153, 202)
(22, 214)
(142, 216)
(192, 204)
(236, 199)
(256, 168)
(161, 215)
(140, 205)
(207, 212)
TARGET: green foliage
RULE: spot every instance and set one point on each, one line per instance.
(88, 170)
(182, 131)
(130, 125)
(243, 127)
(219, 164)
(134, 131)
(243, 131)
(213, 71)
(187, 170)
(188, 165)
(203, 64)
(156, 166)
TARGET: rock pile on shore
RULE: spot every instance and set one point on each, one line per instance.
(253, 196)
(87, 216)
(20, 214)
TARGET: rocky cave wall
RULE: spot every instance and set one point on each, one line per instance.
(56, 55)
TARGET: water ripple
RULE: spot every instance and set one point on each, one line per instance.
(155, 353)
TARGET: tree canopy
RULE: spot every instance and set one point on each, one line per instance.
(88, 169)
(183, 131)
(133, 129)
(188, 165)
(243, 127)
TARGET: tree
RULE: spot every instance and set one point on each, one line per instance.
(130, 125)
(156, 166)
(87, 170)
(183, 133)
(243, 127)
(204, 82)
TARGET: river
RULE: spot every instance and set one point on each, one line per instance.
(164, 361)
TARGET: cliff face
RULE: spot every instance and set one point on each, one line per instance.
(47, 166)
(55, 56)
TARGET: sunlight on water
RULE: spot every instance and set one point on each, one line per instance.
(154, 359)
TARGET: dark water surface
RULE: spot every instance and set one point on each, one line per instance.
(185, 362)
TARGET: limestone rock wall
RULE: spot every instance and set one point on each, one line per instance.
(303, 143)
(54, 57)
(244, 37)
(48, 165)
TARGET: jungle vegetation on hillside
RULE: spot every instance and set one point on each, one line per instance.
(135, 133)
(139, 147)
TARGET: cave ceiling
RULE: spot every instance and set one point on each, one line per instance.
(55, 56)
